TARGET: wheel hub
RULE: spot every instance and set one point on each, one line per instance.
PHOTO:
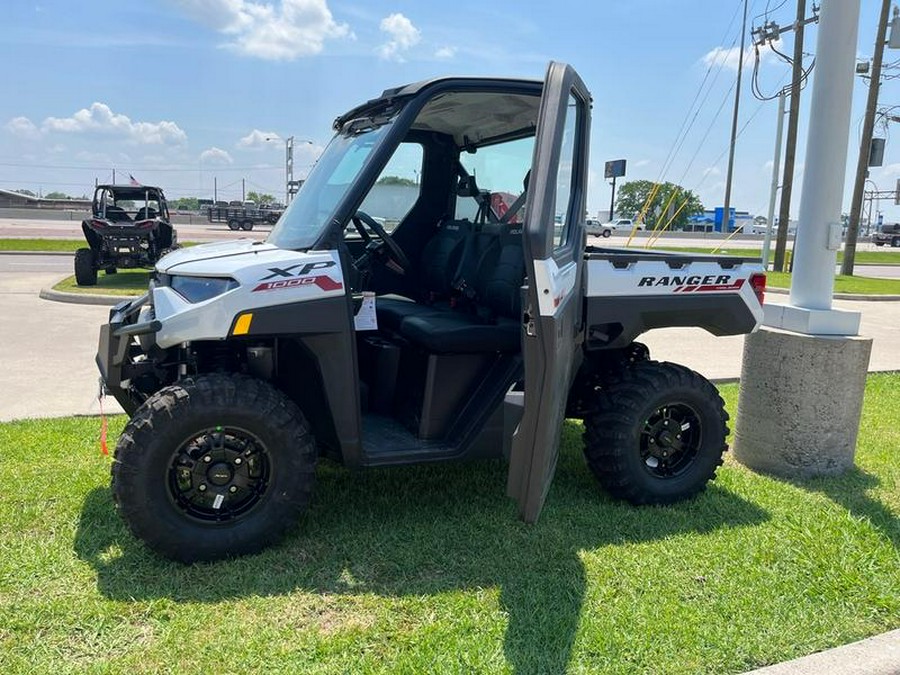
(219, 474)
(670, 439)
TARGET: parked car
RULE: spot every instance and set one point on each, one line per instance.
(624, 225)
(888, 234)
(596, 228)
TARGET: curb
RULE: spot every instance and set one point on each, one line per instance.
(878, 655)
(83, 299)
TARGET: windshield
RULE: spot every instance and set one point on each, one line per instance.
(332, 176)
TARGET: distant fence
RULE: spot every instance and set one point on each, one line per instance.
(78, 216)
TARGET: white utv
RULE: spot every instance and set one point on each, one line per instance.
(247, 361)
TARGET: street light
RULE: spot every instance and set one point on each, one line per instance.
(290, 185)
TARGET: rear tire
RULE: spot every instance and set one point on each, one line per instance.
(247, 225)
(110, 270)
(85, 267)
(234, 224)
(895, 242)
(607, 234)
(213, 467)
(658, 435)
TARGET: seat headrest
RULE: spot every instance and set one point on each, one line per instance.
(467, 187)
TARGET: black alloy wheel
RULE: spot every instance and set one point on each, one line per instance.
(656, 433)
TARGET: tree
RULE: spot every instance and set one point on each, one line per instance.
(186, 204)
(396, 180)
(260, 198)
(56, 195)
(633, 195)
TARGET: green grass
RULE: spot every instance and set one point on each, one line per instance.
(123, 282)
(844, 284)
(887, 257)
(427, 569)
(42, 245)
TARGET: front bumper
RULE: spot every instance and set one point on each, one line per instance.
(118, 353)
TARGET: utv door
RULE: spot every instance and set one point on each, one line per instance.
(552, 301)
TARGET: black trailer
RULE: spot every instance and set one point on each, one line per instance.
(241, 218)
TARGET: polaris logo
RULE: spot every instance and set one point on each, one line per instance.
(693, 280)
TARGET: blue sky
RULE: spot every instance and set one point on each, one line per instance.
(179, 92)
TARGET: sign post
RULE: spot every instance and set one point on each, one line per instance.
(614, 168)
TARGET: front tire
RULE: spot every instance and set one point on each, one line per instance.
(658, 435)
(85, 267)
(607, 234)
(213, 467)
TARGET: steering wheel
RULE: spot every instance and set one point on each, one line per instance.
(362, 220)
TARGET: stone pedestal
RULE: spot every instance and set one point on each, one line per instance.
(800, 402)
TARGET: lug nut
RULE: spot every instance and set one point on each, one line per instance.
(238, 460)
(233, 488)
(202, 487)
(207, 459)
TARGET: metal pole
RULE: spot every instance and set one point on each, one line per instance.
(612, 199)
(215, 190)
(288, 168)
(114, 176)
(819, 226)
(776, 168)
(726, 209)
(243, 189)
(790, 151)
(862, 163)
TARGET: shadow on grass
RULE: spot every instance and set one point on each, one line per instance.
(418, 531)
(850, 491)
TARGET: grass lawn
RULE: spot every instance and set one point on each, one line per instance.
(123, 282)
(427, 569)
(888, 257)
(41, 245)
(844, 284)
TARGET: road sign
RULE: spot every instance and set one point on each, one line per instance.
(614, 168)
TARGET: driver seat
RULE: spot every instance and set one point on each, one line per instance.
(440, 260)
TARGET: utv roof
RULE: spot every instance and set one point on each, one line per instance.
(391, 98)
(457, 107)
(130, 191)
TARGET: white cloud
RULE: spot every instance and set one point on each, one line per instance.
(445, 53)
(99, 118)
(730, 56)
(639, 163)
(215, 155)
(285, 32)
(23, 127)
(403, 35)
(711, 171)
(257, 140)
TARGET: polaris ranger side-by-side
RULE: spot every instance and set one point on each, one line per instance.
(460, 334)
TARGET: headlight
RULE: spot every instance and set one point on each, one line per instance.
(198, 289)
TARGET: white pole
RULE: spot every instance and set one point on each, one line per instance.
(812, 284)
(776, 169)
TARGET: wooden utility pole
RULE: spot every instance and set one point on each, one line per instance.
(862, 164)
(726, 209)
(784, 212)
